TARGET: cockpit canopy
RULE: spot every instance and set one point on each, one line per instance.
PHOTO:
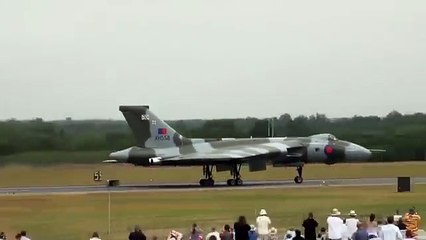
(325, 136)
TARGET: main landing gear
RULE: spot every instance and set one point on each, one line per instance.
(236, 177)
(207, 181)
(299, 179)
(236, 180)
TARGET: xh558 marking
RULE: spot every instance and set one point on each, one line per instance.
(159, 144)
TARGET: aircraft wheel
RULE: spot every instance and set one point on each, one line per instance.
(210, 182)
(298, 179)
(228, 182)
(239, 182)
(203, 182)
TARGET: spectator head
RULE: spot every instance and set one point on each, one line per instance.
(194, 228)
(23, 233)
(213, 229)
(298, 233)
(212, 237)
(242, 220)
(154, 238)
(310, 215)
(372, 217)
(137, 228)
(252, 228)
(263, 212)
(322, 229)
(95, 235)
(390, 219)
(412, 211)
(227, 228)
(18, 236)
(352, 213)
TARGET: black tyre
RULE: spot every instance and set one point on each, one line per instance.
(298, 179)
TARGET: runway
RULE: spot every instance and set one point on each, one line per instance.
(174, 187)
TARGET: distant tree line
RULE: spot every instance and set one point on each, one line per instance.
(403, 136)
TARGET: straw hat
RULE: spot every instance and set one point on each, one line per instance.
(273, 231)
(335, 212)
(352, 213)
(262, 212)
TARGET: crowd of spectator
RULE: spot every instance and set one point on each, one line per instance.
(392, 228)
(396, 227)
(19, 236)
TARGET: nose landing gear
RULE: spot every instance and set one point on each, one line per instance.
(299, 179)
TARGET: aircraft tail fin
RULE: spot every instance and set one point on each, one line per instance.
(149, 130)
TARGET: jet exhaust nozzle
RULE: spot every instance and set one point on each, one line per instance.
(154, 160)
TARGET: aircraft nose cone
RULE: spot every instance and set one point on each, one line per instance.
(357, 153)
(121, 156)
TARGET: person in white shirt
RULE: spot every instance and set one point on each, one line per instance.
(263, 222)
(213, 233)
(175, 235)
(290, 234)
(390, 231)
(352, 223)
(95, 236)
(335, 225)
(24, 235)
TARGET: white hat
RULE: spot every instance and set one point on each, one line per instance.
(262, 212)
(252, 228)
(352, 213)
(335, 212)
(273, 231)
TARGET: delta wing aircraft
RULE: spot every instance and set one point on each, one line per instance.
(159, 144)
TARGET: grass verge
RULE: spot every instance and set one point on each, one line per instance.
(76, 216)
(82, 174)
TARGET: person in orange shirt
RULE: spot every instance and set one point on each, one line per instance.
(412, 221)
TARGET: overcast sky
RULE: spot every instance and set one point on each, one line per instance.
(211, 59)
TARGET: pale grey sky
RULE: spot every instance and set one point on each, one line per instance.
(211, 59)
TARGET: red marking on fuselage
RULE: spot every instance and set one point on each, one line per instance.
(329, 150)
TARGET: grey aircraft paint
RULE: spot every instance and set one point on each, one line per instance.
(159, 144)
